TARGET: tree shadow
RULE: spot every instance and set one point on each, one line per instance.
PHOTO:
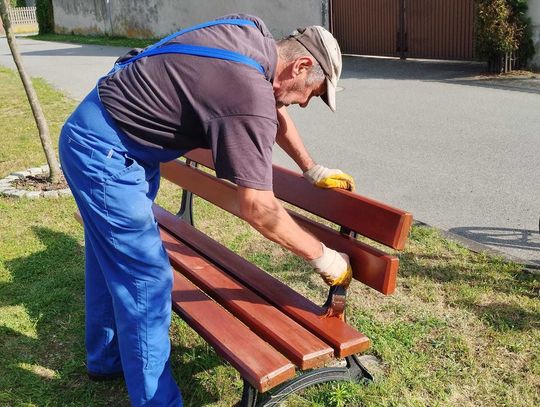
(49, 286)
(477, 274)
(505, 317)
(522, 239)
(64, 49)
(445, 269)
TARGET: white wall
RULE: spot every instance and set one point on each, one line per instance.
(534, 14)
(157, 18)
(81, 17)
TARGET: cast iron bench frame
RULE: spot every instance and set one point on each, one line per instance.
(353, 213)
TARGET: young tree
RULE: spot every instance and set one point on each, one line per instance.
(41, 122)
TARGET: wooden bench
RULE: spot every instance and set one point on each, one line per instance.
(272, 335)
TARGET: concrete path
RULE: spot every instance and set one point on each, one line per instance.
(460, 152)
(72, 68)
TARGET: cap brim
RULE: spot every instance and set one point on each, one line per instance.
(330, 96)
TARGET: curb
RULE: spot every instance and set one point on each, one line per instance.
(477, 247)
(8, 190)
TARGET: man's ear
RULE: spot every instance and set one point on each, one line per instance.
(302, 64)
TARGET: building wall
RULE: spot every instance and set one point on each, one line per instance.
(81, 17)
(157, 18)
(534, 13)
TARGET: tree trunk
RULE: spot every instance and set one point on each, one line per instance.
(41, 122)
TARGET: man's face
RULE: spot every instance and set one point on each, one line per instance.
(296, 91)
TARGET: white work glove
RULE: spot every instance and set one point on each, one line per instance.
(333, 267)
(323, 177)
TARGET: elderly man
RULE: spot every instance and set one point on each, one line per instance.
(222, 85)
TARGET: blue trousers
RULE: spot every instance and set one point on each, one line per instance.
(128, 277)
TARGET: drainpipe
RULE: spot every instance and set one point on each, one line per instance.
(108, 2)
(326, 7)
(402, 33)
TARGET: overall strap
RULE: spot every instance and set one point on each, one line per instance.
(196, 50)
(200, 51)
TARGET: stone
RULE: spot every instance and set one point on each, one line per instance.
(20, 174)
(33, 194)
(8, 191)
(45, 169)
(15, 193)
(50, 194)
(35, 171)
(373, 365)
(10, 178)
(64, 192)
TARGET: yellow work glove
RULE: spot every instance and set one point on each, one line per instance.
(333, 267)
(323, 177)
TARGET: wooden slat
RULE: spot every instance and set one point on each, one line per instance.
(376, 220)
(292, 340)
(344, 339)
(370, 266)
(256, 361)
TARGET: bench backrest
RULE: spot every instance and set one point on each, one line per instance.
(352, 212)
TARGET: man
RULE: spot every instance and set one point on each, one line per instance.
(224, 85)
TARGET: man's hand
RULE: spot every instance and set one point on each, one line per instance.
(333, 267)
(323, 177)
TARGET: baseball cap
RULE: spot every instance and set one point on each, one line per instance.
(325, 49)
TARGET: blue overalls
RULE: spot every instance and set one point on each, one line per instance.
(128, 276)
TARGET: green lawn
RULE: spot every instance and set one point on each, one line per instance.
(462, 329)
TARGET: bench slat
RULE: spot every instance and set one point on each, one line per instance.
(376, 220)
(291, 339)
(256, 361)
(344, 339)
(371, 266)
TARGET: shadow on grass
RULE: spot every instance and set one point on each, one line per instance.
(505, 317)
(480, 277)
(49, 364)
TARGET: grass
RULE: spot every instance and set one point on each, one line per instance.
(96, 40)
(462, 329)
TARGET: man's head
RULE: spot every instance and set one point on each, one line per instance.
(309, 65)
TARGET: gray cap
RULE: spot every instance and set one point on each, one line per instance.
(325, 49)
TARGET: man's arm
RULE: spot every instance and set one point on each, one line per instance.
(265, 213)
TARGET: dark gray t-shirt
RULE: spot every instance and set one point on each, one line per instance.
(182, 102)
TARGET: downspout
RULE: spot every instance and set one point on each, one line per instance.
(402, 28)
(108, 3)
(326, 20)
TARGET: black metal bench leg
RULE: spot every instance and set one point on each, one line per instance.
(249, 396)
(354, 371)
(357, 369)
(186, 207)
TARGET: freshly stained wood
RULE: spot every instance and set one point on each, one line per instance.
(344, 339)
(256, 361)
(295, 342)
(376, 220)
(370, 266)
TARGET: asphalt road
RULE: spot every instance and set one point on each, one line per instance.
(459, 151)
